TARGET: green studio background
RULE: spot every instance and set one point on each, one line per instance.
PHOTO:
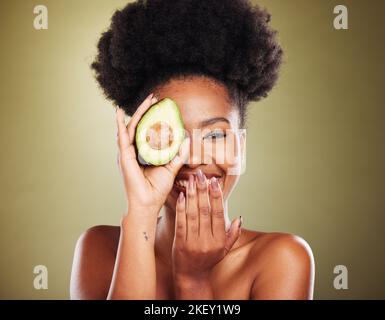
(315, 146)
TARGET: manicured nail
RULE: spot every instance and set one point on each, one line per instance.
(191, 182)
(180, 197)
(201, 177)
(240, 221)
(214, 184)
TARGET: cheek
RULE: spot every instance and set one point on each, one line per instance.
(230, 180)
(227, 151)
(228, 158)
(225, 154)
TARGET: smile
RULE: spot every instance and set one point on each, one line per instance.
(181, 184)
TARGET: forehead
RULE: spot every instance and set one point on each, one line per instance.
(199, 99)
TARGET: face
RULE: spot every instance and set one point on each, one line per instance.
(211, 122)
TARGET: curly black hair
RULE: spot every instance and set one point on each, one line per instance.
(150, 42)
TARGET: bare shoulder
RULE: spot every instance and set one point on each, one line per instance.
(93, 262)
(98, 242)
(103, 235)
(283, 264)
(285, 245)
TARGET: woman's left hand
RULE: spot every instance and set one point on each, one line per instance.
(201, 240)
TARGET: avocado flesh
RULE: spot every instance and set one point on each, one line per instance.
(160, 133)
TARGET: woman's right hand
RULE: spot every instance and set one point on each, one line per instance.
(147, 187)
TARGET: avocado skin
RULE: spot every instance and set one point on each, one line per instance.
(165, 110)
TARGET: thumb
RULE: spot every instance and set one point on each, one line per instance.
(233, 234)
(181, 158)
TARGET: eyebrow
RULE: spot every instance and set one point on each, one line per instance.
(207, 122)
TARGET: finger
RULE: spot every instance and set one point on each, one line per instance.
(204, 206)
(127, 159)
(131, 127)
(125, 149)
(192, 210)
(122, 136)
(180, 159)
(180, 219)
(233, 233)
(217, 210)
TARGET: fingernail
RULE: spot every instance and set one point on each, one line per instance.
(201, 177)
(240, 221)
(214, 184)
(191, 182)
(180, 197)
(150, 95)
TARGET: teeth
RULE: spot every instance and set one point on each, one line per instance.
(184, 183)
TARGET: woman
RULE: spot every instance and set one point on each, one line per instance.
(212, 58)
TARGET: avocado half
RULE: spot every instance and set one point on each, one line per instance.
(160, 133)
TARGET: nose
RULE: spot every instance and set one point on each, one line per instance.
(198, 154)
(194, 159)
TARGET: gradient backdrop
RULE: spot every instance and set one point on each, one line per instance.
(315, 146)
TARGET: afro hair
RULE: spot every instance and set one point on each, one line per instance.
(151, 41)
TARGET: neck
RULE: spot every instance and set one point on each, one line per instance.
(165, 231)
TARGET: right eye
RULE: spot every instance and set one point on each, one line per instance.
(215, 135)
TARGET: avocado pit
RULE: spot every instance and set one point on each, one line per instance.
(160, 135)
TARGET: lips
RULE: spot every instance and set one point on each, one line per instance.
(185, 175)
